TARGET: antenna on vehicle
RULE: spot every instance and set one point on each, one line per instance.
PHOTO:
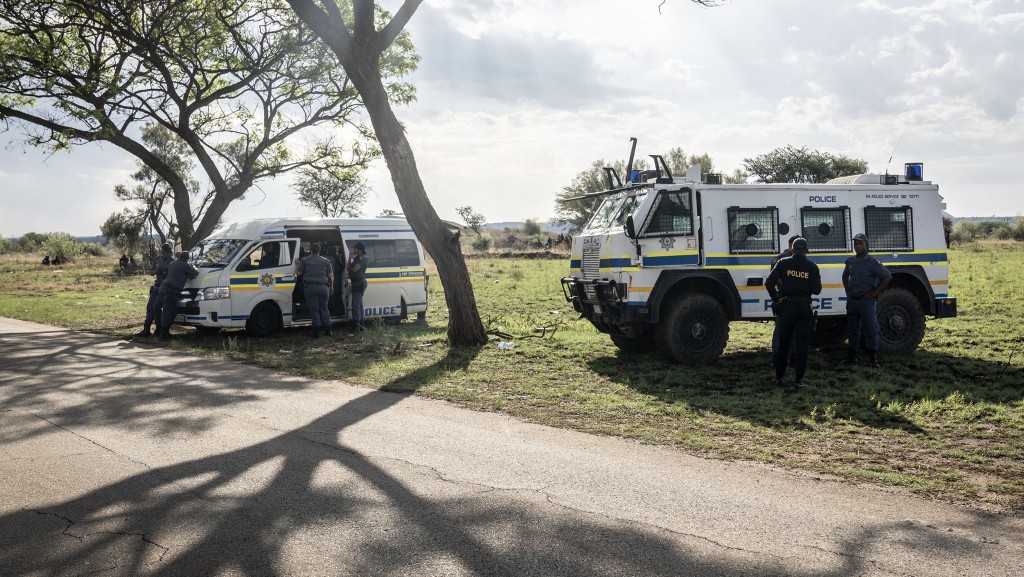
(894, 151)
(629, 165)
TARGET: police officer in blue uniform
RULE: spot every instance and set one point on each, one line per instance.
(154, 306)
(318, 284)
(790, 285)
(864, 278)
(775, 333)
(178, 273)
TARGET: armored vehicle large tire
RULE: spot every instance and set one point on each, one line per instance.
(634, 345)
(694, 330)
(900, 322)
(264, 320)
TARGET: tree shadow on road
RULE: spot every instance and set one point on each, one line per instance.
(302, 502)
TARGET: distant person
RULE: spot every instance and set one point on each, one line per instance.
(178, 272)
(154, 305)
(123, 261)
(56, 261)
(548, 246)
(318, 282)
(46, 260)
(864, 278)
(790, 285)
(357, 263)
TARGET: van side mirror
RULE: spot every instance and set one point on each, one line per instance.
(630, 227)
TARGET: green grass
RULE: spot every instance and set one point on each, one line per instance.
(946, 422)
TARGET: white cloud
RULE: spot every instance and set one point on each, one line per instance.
(517, 96)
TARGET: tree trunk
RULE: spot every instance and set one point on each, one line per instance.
(464, 325)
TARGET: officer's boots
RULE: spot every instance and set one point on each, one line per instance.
(874, 359)
(850, 360)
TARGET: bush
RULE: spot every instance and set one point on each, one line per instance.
(531, 227)
(94, 249)
(62, 245)
(482, 243)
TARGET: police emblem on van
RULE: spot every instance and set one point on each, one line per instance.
(267, 280)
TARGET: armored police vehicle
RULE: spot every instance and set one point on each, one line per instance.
(668, 261)
(247, 273)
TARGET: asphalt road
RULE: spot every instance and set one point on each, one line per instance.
(123, 459)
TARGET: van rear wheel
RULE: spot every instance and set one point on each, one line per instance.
(264, 320)
(695, 330)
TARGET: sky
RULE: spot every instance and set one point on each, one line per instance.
(515, 97)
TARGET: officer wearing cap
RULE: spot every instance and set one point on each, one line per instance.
(864, 278)
(154, 306)
(790, 285)
(318, 282)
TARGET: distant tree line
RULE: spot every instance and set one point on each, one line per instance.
(54, 244)
(970, 231)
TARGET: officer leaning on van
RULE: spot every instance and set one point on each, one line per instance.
(153, 307)
(790, 285)
(318, 280)
(864, 278)
(178, 273)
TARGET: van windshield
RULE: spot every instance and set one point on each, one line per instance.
(215, 253)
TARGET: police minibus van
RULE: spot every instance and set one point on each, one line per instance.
(247, 273)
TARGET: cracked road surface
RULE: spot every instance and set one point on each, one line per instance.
(121, 459)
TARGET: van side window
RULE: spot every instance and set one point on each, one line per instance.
(381, 253)
(672, 215)
(753, 230)
(890, 229)
(826, 229)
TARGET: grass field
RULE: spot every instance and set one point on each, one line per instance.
(946, 422)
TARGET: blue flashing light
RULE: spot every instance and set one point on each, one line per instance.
(914, 171)
(634, 176)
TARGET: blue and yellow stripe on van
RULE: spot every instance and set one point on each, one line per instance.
(394, 276)
(265, 281)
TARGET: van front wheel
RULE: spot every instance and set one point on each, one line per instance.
(264, 320)
(695, 330)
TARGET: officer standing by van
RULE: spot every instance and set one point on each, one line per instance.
(790, 285)
(357, 274)
(154, 305)
(318, 282)
(864, 278)
(788, 251)
(178, 273)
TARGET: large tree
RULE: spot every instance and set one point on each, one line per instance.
(360, 38)
(791, 164)
(236, 80)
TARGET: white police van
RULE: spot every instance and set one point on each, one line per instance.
(669, 261)
(247, 273)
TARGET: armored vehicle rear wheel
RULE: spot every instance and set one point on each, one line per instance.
(694, 330)
(634, 345)
(900, 322)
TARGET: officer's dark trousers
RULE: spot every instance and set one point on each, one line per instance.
(168, 298)
(318, 298)
(794, 324)
(861, 313)
(153, 308)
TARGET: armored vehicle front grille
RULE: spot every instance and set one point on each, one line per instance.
(591, 262)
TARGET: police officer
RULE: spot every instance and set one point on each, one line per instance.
(318, 282)
(357, 263)
(790, 285)
(864, 278)
(775, 334)
(178, 273)
(153, 307)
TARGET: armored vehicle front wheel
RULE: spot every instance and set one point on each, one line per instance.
(694, 330)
